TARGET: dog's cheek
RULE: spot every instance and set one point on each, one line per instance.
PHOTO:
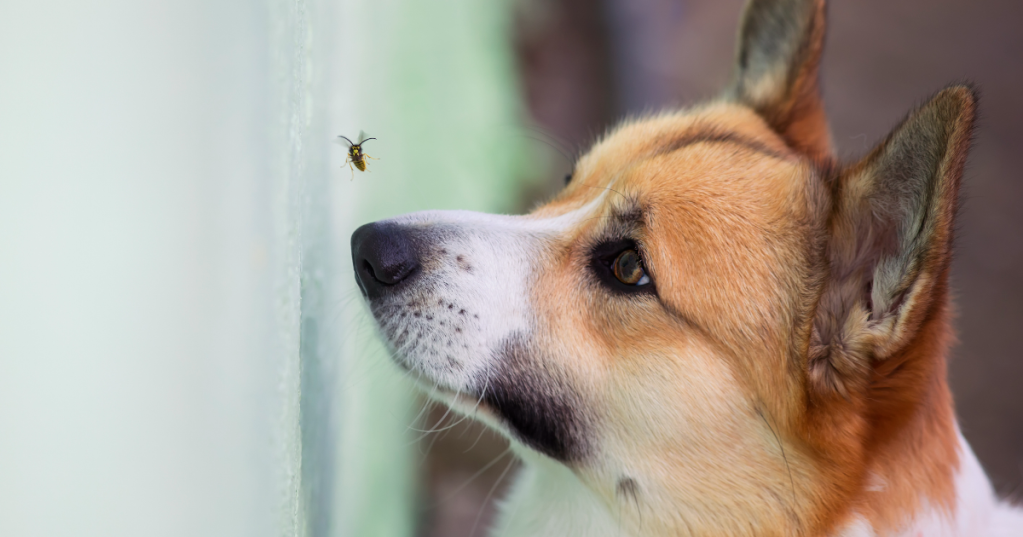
(537, 402)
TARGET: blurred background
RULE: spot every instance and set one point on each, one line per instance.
(182, 347)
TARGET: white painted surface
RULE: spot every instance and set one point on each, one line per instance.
(156, 173)
(140, 357)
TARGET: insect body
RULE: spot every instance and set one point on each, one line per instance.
(355, 154)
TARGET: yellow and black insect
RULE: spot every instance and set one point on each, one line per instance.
(355, 154)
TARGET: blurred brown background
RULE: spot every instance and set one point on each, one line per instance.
(584, 64)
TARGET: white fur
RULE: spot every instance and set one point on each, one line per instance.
(859, 527)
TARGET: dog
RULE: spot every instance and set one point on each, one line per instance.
(716, 328)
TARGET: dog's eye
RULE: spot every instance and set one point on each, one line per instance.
(618, 265)
(628, 268)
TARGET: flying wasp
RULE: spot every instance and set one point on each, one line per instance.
(355, 154)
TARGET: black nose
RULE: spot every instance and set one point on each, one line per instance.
(384, 255)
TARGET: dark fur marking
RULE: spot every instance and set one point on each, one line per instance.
(540, 409)
(714, 137)
(622, 222)
(627, 489)
(784, 457)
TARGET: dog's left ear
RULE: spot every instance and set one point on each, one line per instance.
(890, 243)
(779, 50)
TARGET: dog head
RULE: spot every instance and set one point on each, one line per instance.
(712, 316)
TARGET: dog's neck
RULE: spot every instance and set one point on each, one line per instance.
(921, 477)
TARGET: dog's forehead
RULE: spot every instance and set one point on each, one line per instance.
(721, 152)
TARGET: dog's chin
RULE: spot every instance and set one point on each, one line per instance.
(433, 379)
(468, 404)
(442, 390)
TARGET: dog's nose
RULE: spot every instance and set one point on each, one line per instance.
(384, 255)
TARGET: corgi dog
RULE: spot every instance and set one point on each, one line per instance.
(716, 328)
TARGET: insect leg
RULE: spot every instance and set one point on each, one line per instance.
(348, 161)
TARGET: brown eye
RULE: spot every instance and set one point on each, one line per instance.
(628, 268)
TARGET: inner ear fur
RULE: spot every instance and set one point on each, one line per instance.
(776, 73)
(890, 241)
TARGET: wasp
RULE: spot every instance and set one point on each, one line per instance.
(355, 154)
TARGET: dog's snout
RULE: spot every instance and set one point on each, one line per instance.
(384, 255)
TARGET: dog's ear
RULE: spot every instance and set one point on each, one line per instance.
(779, 50)
(890, 242)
